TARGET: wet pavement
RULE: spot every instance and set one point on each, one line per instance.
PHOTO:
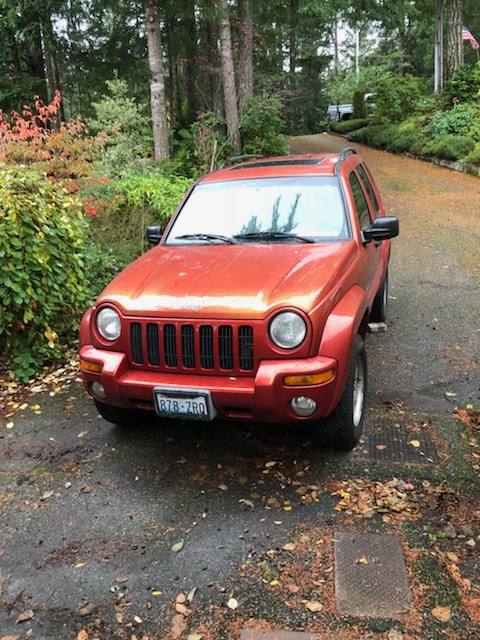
(106, 531)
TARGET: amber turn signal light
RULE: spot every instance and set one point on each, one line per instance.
(93, 367)
(314, 378)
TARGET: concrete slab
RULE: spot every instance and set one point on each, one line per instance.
(370, 576)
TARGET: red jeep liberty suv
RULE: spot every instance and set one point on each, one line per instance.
(254, 302)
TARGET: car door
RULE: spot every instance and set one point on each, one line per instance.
(368, 256)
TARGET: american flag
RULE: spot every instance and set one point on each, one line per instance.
(466, 35)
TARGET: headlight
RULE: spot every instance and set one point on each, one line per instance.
(288, 330)
(108, 323)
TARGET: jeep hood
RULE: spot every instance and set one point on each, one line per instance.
(244, 281)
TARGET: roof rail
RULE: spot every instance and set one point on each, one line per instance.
(344, 153)
(234, 159)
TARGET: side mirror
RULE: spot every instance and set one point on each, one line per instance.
(154, 233)
(383, 228)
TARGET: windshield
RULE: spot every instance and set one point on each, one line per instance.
(262, 210)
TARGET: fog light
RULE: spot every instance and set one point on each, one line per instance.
(98, 390)
(303, 406)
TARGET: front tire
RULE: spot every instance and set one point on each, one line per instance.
(120, 416)
(343, 429)
(380, 304)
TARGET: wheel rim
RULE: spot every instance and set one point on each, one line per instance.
(358, 391)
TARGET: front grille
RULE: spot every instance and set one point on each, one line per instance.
(186, 345)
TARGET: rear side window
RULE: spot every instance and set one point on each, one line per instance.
(361, 205)
(368, 188)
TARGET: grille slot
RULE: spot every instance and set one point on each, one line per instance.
(245, 348)
(170, 345)
(188, 346)
(206, 347)
(225, 347)
(153, 350)
(136, 342)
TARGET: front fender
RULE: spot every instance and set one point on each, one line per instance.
(338, 338)
(85, 336)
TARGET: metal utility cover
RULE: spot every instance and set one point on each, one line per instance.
(370, 576)
(389, 443)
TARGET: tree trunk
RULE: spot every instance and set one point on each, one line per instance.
(190, 31)
(335, 45)
(454, 37)
(228, 74)
(245, 62)
(292, 36)
(438, 60)
(157, 81)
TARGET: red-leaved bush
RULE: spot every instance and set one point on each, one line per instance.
(62, 153)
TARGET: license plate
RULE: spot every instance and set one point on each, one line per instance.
(186, 404)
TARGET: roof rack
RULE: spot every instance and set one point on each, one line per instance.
(234, 159)
(344, 153)
(279, 163)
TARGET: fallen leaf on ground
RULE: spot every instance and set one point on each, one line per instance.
(10, 637)
(10, 425)
(380, 447)
(181, 608)
(178, 626)
(121, 579)
(82, 635)
(223, 487)
(46, 495)
(87, 609)
(362, 560)
(290, 546)
(25, 615)
(247, 503)
(271, 464)
(155, 592)
(314, 606)
(195, 636)
(178, 546)
(443, 614)
(191, 594)
(137, 619)
(79, 565)
(232, 603)
(414, 443)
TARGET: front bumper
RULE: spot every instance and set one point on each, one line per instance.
(263, 397)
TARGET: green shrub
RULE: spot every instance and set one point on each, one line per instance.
(125, 206)
(396, 96)
(474, 155)
(126, 129)
(200, 147)
(456, 121)
(464, 86)
(42, 285)
(449, 147)
(345, 126)
(262, 127)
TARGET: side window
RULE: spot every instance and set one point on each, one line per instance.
(368, 188)
(360, 202)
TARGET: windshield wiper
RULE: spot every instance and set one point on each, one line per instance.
(209, 237)
(272, 235)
